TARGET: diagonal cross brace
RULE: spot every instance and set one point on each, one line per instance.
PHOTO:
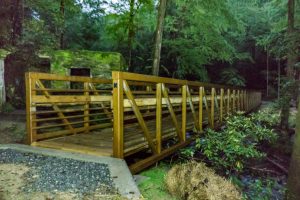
(55, 107)
(139, 117)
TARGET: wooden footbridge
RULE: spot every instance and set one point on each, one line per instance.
(128, 114)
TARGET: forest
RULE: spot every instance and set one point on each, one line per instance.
(253, 44)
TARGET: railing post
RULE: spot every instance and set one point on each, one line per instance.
(233, 101)
(30, 116)
(118, 112)
(158, 116)
(212, 107)
(183, 124)
(228, 101)
(86, 108)
(238, 100)
(221, 104)
(201, 109)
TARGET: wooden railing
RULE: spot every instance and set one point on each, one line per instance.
(81, 104)
(161, 108)
(140, 112)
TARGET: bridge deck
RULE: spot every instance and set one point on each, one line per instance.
(100, 142)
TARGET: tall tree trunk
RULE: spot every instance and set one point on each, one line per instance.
(62, 12)
(278, 77)
(291, 60)
(293, 186)
(131, 33)
(16, 20)
(268, 55)
(158, 37)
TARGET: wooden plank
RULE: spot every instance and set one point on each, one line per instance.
(68, 132)
(238, 101)
(233, 101)
(75, 148)
(68, 117)
(86, 107)
(212, 108)
(207, 108)
(189, 98)
(137, 167)
(201, 89)
(221, 105)
(105, 109)
(118, 110)
(30, 85)
(70, 123)
(146, 78)
(56, 108)
(70, 98)
(55, 77)
(158, 117)
(183, 113)
(139, 116)
(228, 101)
(171, 110)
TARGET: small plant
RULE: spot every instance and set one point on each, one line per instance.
(230, 148)
(7, 108)
(259, 189)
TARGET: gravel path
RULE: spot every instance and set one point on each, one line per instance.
(52, 174)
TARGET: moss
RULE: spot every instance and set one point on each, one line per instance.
(101, 64)
(3, 53)
(154, 188)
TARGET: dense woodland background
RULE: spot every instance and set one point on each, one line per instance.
(235, 42)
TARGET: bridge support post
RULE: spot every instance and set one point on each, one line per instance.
(118, 111)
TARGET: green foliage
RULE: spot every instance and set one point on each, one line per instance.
(230, 148)
(269, 116)
(230, 76)
(192, 46)
(7, 108)
(259, 188)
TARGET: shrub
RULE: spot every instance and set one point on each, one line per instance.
(230, 148)
(7, 108)
(193, 181)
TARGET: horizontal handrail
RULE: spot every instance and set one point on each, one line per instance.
(156, 79)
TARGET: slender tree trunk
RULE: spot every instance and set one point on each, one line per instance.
(268, 72)
(62, 12)
(158, 37)
(278, 78)
(131, 34)
(16, 20)
(293, 186)
(291, 60)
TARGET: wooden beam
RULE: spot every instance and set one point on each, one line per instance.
(139, 117)
(221, 105)
(183, 112)
(212, 107)
(201, 109)
(158, 117)
(118, 110)
(55, 77)
(139, 166)
(189, 98)
(171, 110)
(56, 108)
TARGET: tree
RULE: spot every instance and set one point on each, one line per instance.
(291, 61)
(293, 185)
(158, 37)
